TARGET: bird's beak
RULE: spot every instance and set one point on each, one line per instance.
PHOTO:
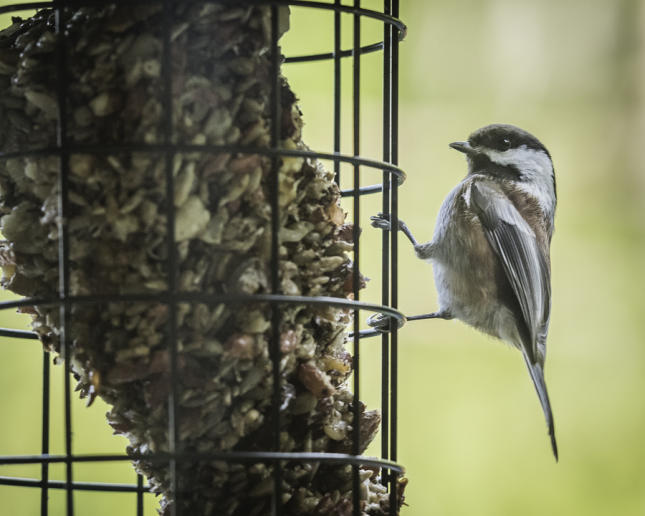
(463, 147)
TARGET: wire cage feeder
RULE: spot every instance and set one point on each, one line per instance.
(387, 189)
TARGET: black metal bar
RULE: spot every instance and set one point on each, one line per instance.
(385, 247)
(324, 56)
(77, 486)
(363, 190)
(365, 334)
(337, 90)
(356, 80)
(362, 334)
(25, 6)
(274, 194)
(394, 350)
(63, 238)
(173, 395)
(141, 489)
(231, 456)
(44, 448)
(18, 334)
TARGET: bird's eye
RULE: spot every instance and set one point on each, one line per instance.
(506, 143)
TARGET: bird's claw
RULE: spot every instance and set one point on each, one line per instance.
(381, 221)
(381, 322)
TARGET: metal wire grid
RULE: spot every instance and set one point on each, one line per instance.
(393, 32)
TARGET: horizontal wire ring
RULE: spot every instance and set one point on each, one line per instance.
(211, 149)
(76, 486)
(232, 456)
(367, 13)
(323, 56)
(190, 148)
(199, 297)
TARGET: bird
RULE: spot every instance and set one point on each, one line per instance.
(490, 250)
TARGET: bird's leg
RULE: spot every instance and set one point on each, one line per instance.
(381, 322)
(442, 314)
(423, 251)
(383, 222)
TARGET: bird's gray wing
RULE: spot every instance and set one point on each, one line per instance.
(524, 264)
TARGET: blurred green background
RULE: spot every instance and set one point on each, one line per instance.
(471, 432)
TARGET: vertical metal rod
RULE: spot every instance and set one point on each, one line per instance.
(44, 449)
(276, 501)
(356, 266)
(140, 492)
(394, 375)
(385, 240)
(173, 395)
(63, 242)
(337, 90)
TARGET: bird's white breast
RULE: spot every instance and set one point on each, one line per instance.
(537, 173)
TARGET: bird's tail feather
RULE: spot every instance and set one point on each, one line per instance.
(537, 375)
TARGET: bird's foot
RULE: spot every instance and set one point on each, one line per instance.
(381, 322)
(381, 221)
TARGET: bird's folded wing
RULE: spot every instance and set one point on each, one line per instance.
(524, 264)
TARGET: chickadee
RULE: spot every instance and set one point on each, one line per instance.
(490, 250)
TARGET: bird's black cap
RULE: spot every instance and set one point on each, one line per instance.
(505, 136)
